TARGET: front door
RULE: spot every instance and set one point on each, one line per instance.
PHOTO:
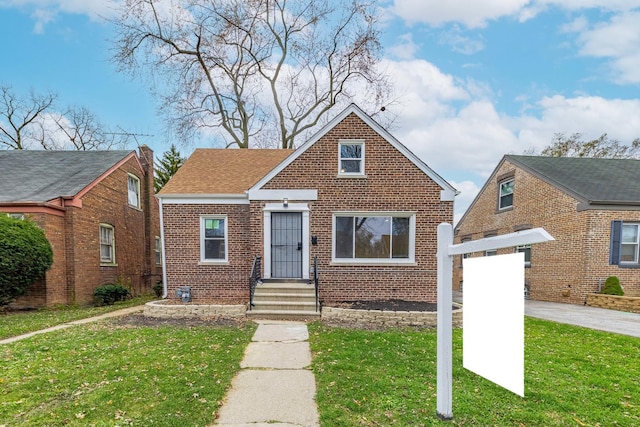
(286, 245)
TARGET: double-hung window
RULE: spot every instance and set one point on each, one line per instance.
(351, 158)
(213, 239)
(107, 244)
(374, 237)
(133, 184)
(629, 244)
(625, 244)
(158, 251)
(505, 198)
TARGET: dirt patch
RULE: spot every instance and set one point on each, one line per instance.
(387, 305)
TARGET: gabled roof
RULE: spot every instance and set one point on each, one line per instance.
(448, 192)
(218, 171)
(592, 181)
(41, 176)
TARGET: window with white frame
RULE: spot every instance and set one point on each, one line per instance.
(19, 216)
(351, 158)
(107, 244)
(213, 238)
(506, 194)
(133, 184)
(374, 237)
(629, 243)
(158, 251)
(526, 249)
(490, 252)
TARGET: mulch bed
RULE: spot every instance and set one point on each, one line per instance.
(387, 305)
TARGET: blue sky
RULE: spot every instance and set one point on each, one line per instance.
(478, 78)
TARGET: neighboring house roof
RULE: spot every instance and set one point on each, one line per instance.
(590, 180)
(214, 171)
(448, 191)
(41, 176)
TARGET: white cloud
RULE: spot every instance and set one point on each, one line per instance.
(405, 48)
(619, 40)
(46, 11)
(460, 43)
(471, 13)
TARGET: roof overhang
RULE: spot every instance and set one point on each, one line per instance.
(203, 199)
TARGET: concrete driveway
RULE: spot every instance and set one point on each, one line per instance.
(619, 322)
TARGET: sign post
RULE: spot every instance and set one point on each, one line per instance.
(446, 251)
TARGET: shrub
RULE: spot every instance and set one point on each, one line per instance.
(25, 255)
(612, 286)
(158, 288)
(110, 293)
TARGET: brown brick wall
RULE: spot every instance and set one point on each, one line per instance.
(75, 239)
(392, 183)
(225, 282)
(564, 270)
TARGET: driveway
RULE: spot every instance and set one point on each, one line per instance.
(619, 322)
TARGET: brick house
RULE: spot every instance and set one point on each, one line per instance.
(352, 196)
(99, 213)
(590, 206)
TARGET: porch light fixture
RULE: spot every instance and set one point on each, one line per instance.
(285, 202)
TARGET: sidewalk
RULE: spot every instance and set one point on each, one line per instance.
(274, 388)
(116, 313)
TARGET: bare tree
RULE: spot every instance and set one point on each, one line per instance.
(602, 147)
(78, 128)
(19, 117)
(249, 67)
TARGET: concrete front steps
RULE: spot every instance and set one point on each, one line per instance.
(291, 300)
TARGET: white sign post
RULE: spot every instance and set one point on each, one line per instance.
(446, 251)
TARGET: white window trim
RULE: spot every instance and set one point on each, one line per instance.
(362, 158)
(137, 180)
(204, 260)
(636, 243)
(158, 250)
(500, 195)
(376, 261)
(112, 262)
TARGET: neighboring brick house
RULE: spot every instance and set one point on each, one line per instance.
(99, 213)
(590, 206)
(352, 196)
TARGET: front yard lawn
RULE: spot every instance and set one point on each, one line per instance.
(112, 373)
(573, 377)
(21, 322)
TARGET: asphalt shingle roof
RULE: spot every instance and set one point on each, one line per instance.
(223, 171)
(597, 181)
(40, 176)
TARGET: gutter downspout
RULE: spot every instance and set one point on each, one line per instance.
(164, 258)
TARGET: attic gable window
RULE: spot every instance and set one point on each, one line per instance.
(351, 158)
(506, 194)
(133, 184)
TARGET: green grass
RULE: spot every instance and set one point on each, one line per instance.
(107, 374)
(573, 377)
(21, 322)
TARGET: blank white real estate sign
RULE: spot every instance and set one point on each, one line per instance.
(493, 319)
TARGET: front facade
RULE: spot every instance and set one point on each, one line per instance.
(352, 198)
(98, 212)
(590, 206)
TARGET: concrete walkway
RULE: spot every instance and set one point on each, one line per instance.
(116, 313)
(274, 388)
(618, 322)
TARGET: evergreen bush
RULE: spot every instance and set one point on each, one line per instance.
(25, 256)
(612, 286)
(110, 293)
